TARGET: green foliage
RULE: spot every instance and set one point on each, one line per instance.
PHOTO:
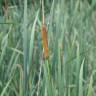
(71, 67)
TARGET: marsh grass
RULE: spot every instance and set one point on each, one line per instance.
(71, 67)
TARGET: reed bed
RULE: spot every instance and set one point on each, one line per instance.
(47, 48)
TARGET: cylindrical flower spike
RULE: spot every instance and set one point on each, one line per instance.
(45, 41)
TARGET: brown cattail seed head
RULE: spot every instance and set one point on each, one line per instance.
(45, 41)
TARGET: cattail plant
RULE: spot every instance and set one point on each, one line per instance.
(46, 66)
(44, 35)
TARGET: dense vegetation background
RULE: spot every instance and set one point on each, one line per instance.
(71, 67)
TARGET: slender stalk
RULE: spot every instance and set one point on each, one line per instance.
(43, 16)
